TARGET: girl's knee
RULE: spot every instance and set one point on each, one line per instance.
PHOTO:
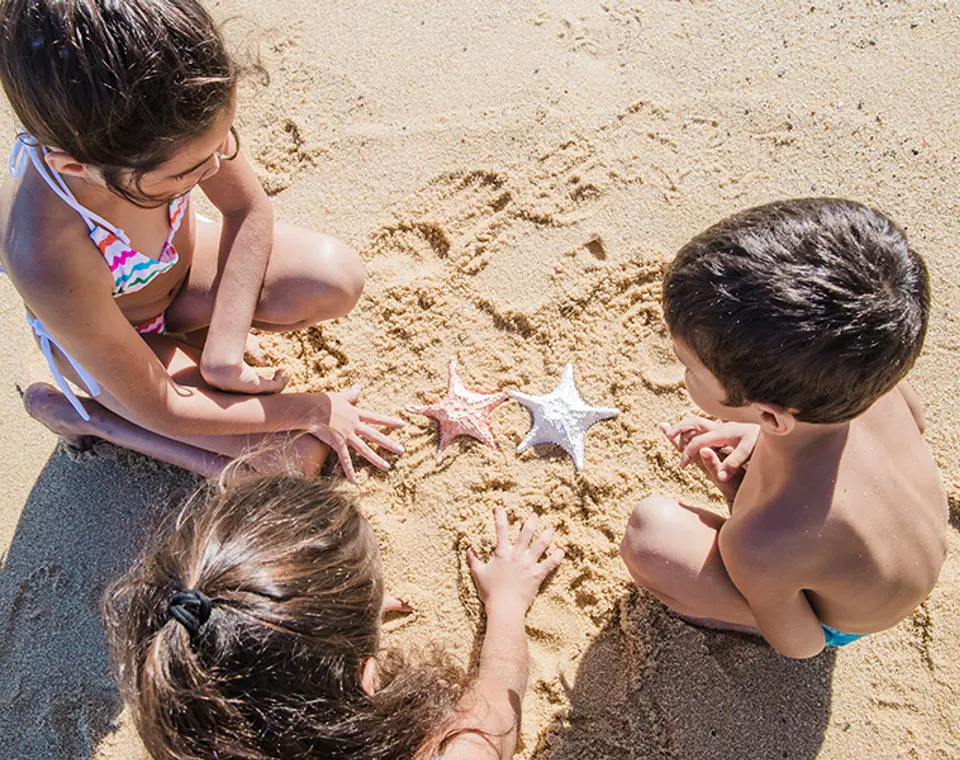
(342, 270)
(321, 278)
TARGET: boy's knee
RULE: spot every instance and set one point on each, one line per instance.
(647, 530)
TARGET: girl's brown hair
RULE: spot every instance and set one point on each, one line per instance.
(293, 573)
(117, 84)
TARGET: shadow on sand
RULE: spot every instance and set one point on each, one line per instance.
(653, 687)
(82, 526)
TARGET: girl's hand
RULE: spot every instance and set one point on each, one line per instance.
(345, 427)
(701, 441)
(511, 578)
(240, 378)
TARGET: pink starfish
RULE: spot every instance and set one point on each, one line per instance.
(462, 412)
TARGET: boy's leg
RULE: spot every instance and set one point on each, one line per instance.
(671, 550)
(310, 278)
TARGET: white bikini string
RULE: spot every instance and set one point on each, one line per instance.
(46, 339)
(18, 166)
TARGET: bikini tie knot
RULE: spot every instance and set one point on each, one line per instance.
(190, 608)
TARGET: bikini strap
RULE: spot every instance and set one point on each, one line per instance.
(46, 341)
(176, 211)
(26, 146)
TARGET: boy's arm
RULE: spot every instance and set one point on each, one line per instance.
(776, 598)
(246, 241)
(914, 403)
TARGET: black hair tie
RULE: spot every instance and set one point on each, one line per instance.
(190, 608)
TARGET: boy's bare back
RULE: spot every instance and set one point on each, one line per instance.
(856, 517)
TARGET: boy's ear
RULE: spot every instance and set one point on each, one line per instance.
(63, 163)
(368, 680)
(776, 419)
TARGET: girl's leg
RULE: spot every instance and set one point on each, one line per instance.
(310, 278)
(671, 550)
(51, 407)
(205, 455)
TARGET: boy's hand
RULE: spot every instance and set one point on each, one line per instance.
(345, 427)
(511, 578)
(699, 440)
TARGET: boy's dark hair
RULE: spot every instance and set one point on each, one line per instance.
(118, 84)
(284, 578)
(816, 304)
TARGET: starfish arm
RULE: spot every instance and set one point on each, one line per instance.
(578, 455)
(595, 414)
(532, 439)
(427, 410)
(524, 399)
(492, 401)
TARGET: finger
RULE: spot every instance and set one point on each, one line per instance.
(711, 440)
(254, 351)
(503, 530)
(352, 394)
(736, 458)
(551, 563)
(527, 531)
(372, 434)
(543, 541)
(383, 420)
(689, 423)
(360, 446)
(711, 461)
(394, 604)
(273, 384)
(339, 445)
(474, 562)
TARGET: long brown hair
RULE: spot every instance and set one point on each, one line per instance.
(117, 84)
(293, 573)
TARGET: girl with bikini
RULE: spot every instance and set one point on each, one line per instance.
(126, 107)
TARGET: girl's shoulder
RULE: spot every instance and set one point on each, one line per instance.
(45, 248)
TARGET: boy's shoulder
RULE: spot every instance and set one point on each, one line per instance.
(770, 539)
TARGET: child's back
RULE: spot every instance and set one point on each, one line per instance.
(856, 519)
(797, 322)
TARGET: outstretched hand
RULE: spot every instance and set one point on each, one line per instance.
(702, 441)
(345, 426)
(511, 578)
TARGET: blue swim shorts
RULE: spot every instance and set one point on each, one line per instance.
(837, 638)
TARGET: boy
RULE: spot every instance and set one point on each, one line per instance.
(797, 322)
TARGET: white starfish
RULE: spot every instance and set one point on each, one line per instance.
(562, 418)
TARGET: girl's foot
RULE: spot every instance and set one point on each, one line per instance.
(48, 405)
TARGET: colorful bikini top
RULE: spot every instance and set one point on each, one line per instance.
(131, 269)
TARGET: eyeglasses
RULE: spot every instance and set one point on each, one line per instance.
(236, 152)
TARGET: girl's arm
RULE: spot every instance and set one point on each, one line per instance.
(245, 245)
(489, 721)
(75, 304)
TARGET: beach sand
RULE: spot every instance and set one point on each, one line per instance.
(515, 175)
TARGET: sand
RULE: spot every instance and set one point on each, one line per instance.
(515, 175)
